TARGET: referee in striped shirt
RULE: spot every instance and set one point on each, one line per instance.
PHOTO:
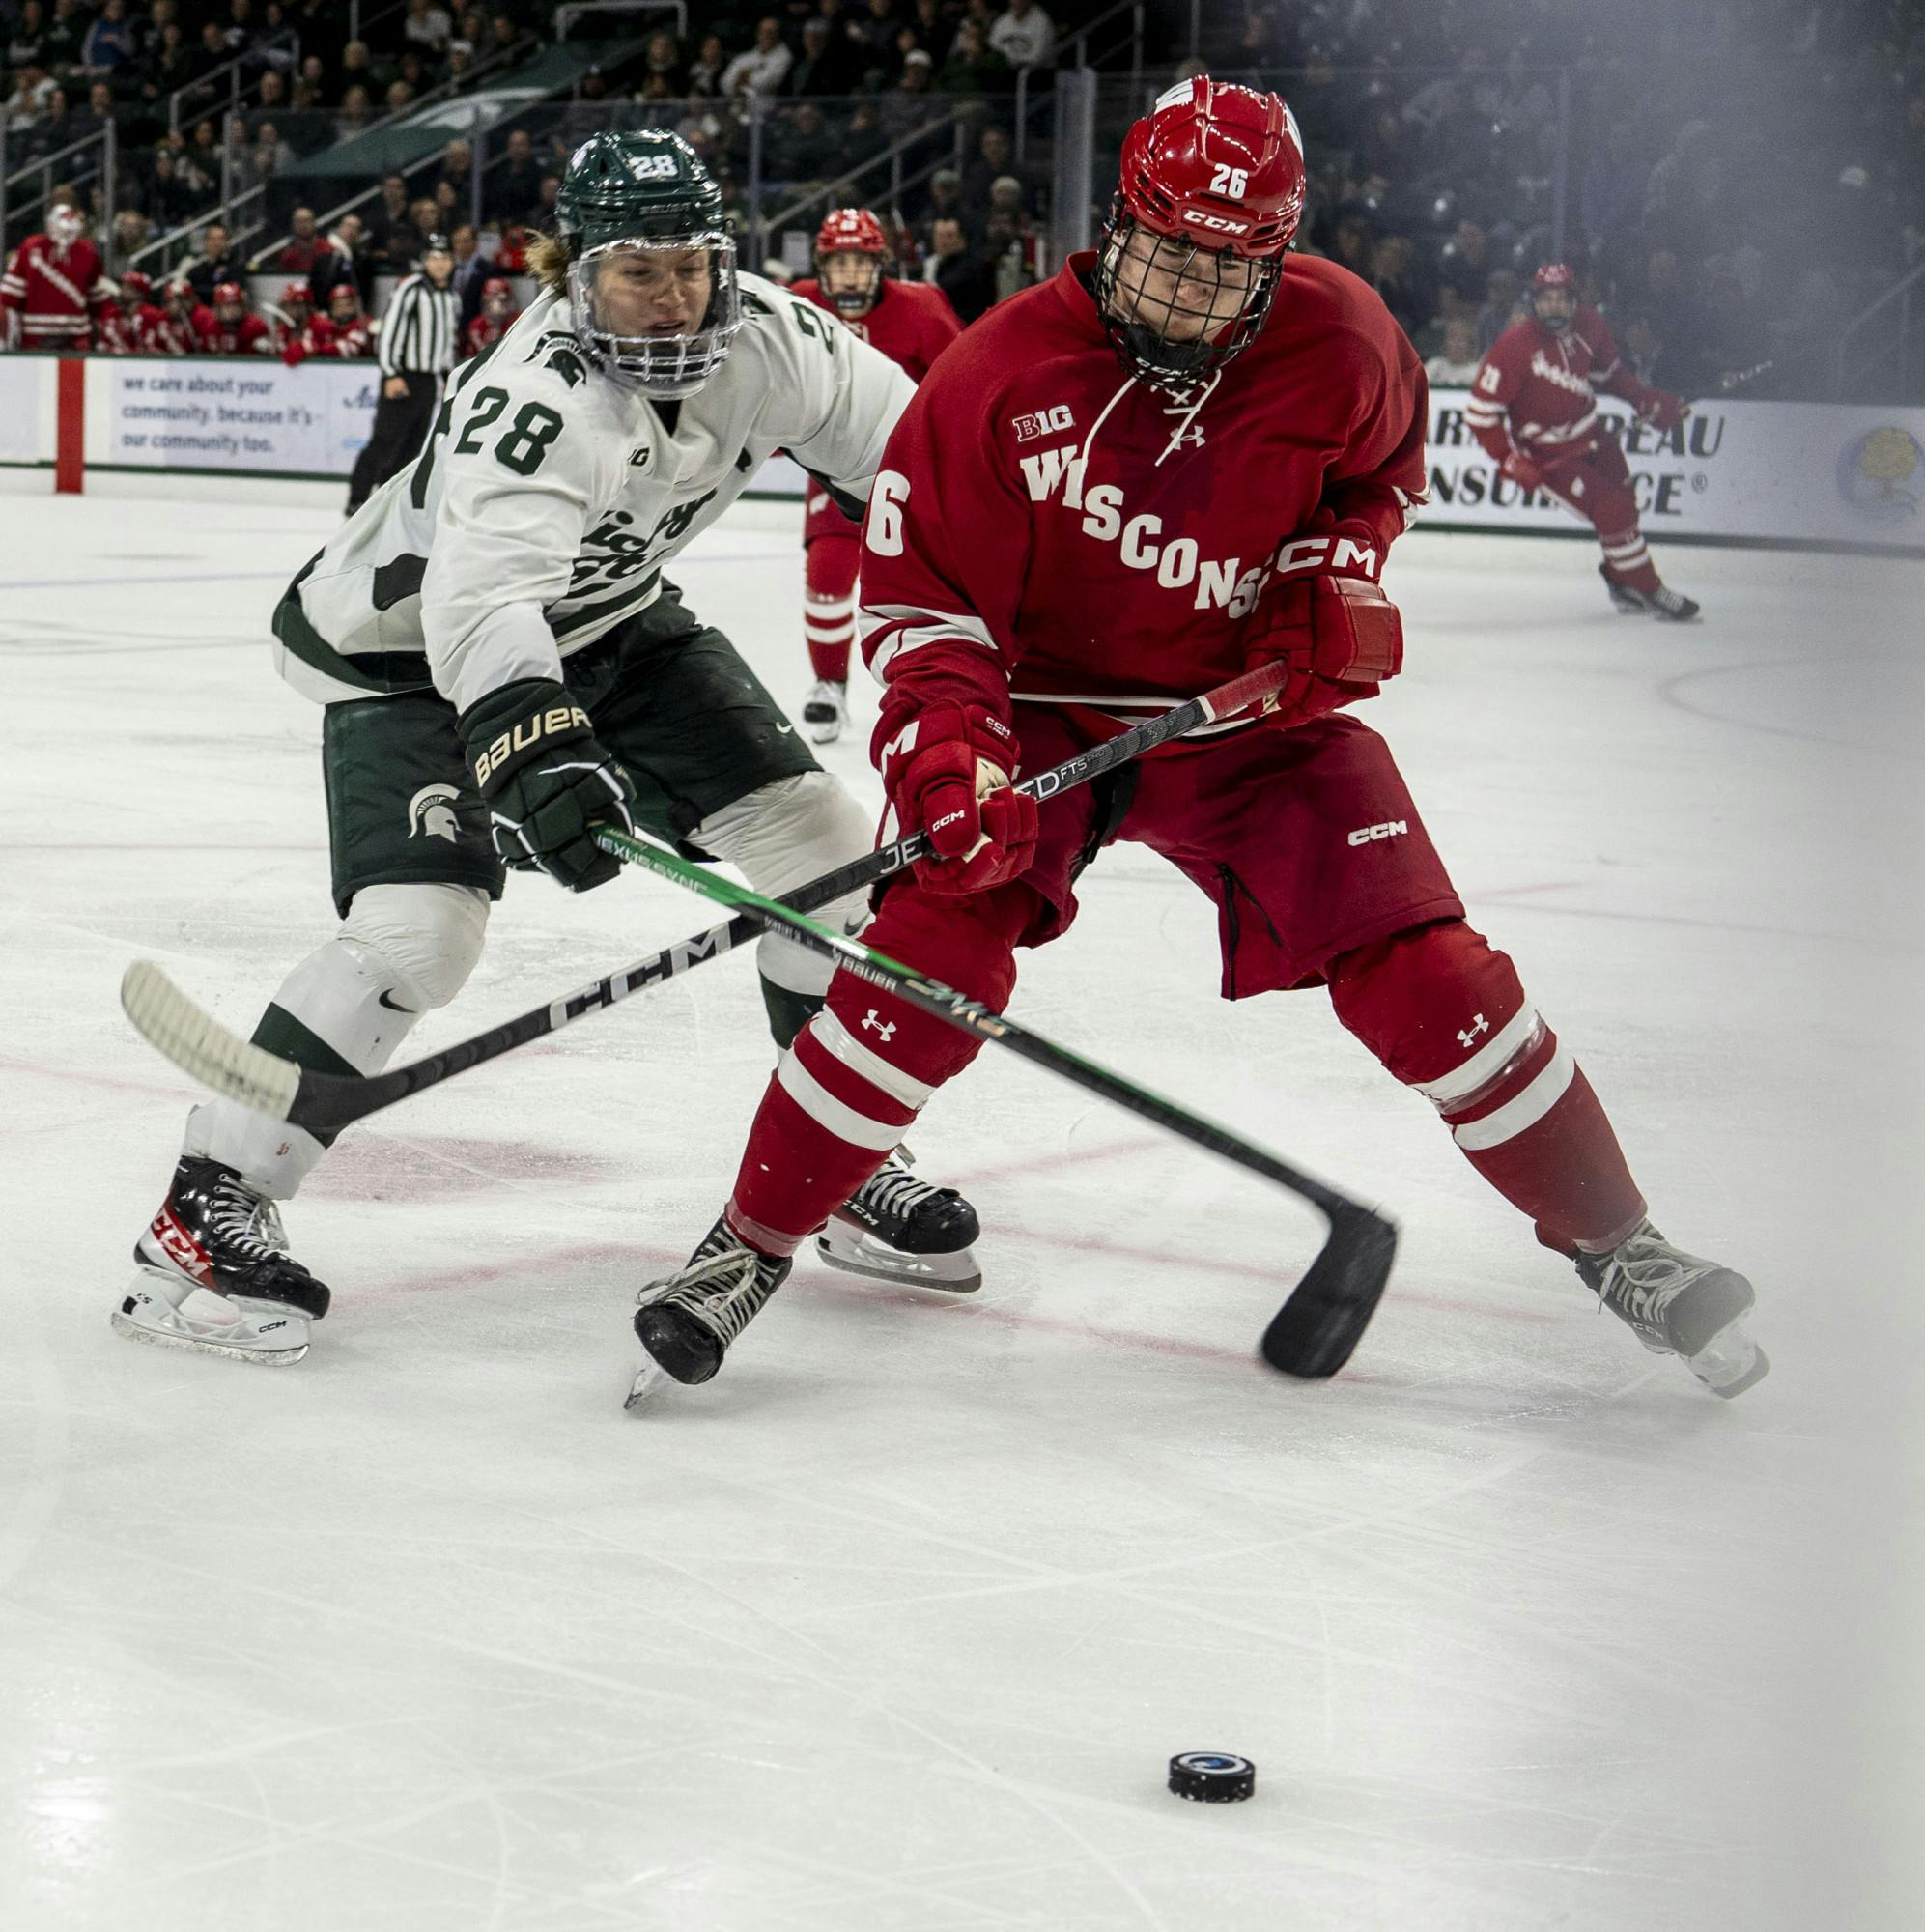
(420, 331)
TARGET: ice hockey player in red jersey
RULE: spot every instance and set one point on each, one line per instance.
(53, 293)
(235, 330)
(299, 333)
(125, 330)
(354, 336)
(1185, 455)
(912, 324)
(499, 315)
(183, 324)
(1533, 408)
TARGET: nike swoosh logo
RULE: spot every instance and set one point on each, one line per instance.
(392, 1007)
(785, 730)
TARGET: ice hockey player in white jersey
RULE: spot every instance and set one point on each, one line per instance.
(504, 665)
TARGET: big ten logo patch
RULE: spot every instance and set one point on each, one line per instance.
(1043, 422)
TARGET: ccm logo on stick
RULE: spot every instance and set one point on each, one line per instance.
(1365, 834)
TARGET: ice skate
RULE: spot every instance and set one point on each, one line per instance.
(215, 1233)
(1679, 1304)
(897, 1228)
(1673, 605)
(686, 1322)
(824, 711)
(1624, 599)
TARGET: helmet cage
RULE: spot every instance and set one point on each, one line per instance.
(1554, 278)
(857, 302)
(1140, 324)
(664, 367)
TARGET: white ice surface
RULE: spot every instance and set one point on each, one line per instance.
(895, 1626)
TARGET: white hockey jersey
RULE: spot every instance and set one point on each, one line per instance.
(548, 499)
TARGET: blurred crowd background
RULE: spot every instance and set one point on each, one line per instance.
(1739, 184)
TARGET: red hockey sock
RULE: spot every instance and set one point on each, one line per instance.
(829, 611)
(859, 1073)
(1628, 559)
(1445, 1014)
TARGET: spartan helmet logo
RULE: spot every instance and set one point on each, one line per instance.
(430, 814)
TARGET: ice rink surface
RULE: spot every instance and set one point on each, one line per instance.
(893, 1627)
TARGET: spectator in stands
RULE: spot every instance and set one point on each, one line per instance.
(963, 276)
(460, 71)
(171, 63)
(123, 241)
(1611, 199)
(305, 245)
(356, 113)
(218, 262)
(390, 209)
(357, 69)
(346, 261)
(762, 68)
(26, 43)
(973, 65)
(550, 191)
(1463, 263)
(1500, 306)
(472, 270)
(512, 191)
(1455, 364)
(661, 58)
(1394, 276)
(33, 89)
(1008, 254)
(171, 197)
(907, 106)
(429, 27)
(65, 31)
(995, 156)
(457, 166)
(400, 96)
(829, 63)
(110, 42)
(1023, 34)
(934, 29)
(703, 80)
(799, 146)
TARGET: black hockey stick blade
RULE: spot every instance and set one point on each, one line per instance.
(1312, 1334)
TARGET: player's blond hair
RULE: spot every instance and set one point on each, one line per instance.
(548, 263)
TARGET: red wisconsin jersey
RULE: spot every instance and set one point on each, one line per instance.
(1044, 515)
(314, 337)
(912, 322)
(1537, 390)
(483, 333)
(164, 333)
(354, 340)
(125, 332)
(249, 336)
(60, 293)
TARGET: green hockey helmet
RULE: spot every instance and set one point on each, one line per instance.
(648, 193)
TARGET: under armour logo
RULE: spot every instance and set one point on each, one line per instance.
(1468, 1037)
(1193, 434)
(886, 1028)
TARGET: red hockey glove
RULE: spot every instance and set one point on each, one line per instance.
(1664, 410)
(948, 773)
(293, 354)
(1341, 636)
(1521, 471)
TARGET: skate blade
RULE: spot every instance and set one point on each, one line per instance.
(650, 1380)
(876, 1260)
(202, 1344)
(1730, 1362)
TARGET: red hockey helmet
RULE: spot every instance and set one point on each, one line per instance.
(497, 297)
(136, 288)
(1554, 278)
(854, 286)
(1208, 199)
(344, 300)
(230, 295)
(297, 295)
(178, 290)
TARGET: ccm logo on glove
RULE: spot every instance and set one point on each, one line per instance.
(529, 732)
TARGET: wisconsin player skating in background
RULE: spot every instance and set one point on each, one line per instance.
(1533, 408)
(912, 324)
(1185, 455)
(503, 664)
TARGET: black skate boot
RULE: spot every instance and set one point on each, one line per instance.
(1631, 603)
(1679, 1304)
(214, 1231)
(824, 711)
(686, 1322)
(1673, 605)
(897, 1228)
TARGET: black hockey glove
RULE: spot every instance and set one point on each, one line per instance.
(545, 780)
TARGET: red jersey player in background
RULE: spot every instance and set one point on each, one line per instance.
(1533, 407)
(1185, 455)
(299, 333)
(183, 324)
(912, 324)
(499, 315)
(53, 292)
(124, 332)
(234, 329)
(353, 334)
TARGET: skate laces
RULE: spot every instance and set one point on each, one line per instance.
(893, 1190)
(1647, 1273)
(726, 1290)
(243, 1220)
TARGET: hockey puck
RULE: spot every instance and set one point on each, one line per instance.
(1212, 1778)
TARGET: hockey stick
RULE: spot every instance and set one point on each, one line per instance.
(323, 1103)
(1325, 1315)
